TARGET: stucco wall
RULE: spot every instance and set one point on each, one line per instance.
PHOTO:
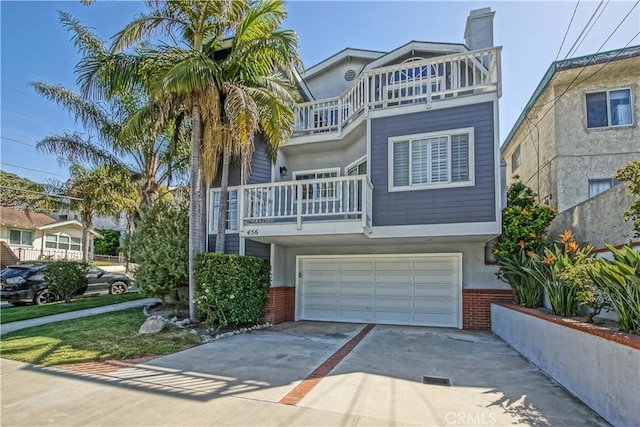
(570, 154)
(602, 373)
(598, 220)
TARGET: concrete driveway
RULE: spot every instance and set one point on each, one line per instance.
(247, 379)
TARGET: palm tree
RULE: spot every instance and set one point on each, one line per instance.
(152, 144)
(104, 190)
(225, 72)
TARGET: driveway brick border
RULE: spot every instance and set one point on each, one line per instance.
(301, 390)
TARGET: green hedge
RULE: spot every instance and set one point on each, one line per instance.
(231, 289)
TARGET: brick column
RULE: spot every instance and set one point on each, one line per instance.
(476, 306)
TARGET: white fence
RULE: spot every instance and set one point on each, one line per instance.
(33, 254)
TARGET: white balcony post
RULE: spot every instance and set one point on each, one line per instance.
(242, 195)
(365, 196)
(339, 116)
(299, 206)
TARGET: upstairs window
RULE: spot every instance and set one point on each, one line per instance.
(609, 108)
(232, 211)
(516, 159)
(597, 186)
(431, 160)
(21, 237)
(317, 190)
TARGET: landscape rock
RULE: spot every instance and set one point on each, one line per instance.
(151, 326)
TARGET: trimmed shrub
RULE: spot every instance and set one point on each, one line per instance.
(160, 247)
(231, 289)
(66, 278)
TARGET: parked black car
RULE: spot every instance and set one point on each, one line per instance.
(24, 284)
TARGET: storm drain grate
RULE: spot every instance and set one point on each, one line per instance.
(436, 381)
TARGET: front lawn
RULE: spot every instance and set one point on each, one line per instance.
(109, 336)
(14, 314)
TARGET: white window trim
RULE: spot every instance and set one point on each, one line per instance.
(57, 236)
(515, 166)
(33, 237)
(609, 126)
(354, 164)
(414, 187)
(315, 171)
(211, 210)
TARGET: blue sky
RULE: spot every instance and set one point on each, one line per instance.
(35, 47)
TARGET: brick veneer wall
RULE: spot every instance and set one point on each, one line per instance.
(281, 305)
(476, 306)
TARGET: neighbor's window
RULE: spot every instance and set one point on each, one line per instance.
(21, 237)
(516, 159)
(437, 159)
(61, 241)
(232, 210)
(597, 186)
(609, 108)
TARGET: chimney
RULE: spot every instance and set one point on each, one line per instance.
(478, 34)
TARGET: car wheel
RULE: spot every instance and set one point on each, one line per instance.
(117, 288)
(45, 296)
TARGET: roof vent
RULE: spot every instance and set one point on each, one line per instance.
(350, 75)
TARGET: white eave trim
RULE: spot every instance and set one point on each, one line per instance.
(340, 56)
(71, 222)
(444, 48)
(437, 230)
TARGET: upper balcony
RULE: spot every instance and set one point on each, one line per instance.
(422, 81)
(310, 207)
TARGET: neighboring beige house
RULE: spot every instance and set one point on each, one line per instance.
(579, 127)
(35, 236)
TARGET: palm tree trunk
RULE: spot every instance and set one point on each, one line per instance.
(195, 203)
(87, 220)
(221, 235)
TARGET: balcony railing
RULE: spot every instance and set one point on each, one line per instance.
(295, 202)
(33, 254)
(422, 81)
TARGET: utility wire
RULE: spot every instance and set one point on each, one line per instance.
(17, 141)
(27, 115)
(555, 101)
(61, 196)
(567, 32)
(591, 27)
(584, 29)
(29, 169)
(23, 93)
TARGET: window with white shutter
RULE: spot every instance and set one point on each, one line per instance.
(431, 160)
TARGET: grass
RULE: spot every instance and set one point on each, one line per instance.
(103, 263)
(109, 336)
(15, 314)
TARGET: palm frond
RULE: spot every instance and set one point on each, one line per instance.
(74, 147)
(83, 39)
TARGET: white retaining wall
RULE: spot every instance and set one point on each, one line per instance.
(604, 374)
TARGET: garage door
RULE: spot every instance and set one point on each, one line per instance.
(403, 290)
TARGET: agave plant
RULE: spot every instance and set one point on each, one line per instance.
(619, 279)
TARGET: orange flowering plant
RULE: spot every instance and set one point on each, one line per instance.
(524, 224)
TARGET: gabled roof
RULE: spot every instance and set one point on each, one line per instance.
(414, 45)
(340, 56)
(19, 218)
(567, 64)
(34, 220)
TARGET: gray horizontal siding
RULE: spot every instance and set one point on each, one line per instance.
(257, 249)
(435, 206)
(231, 243)
(260, 167)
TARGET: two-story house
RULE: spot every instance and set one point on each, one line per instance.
(579, 127)
(379, 206)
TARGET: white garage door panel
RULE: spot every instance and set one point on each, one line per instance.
(409, 290)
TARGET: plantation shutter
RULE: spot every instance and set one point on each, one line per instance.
(420, 161)
(460, 158)
(401, 163)
(439, 159)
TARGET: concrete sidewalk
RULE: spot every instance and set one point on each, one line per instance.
(14, 326)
